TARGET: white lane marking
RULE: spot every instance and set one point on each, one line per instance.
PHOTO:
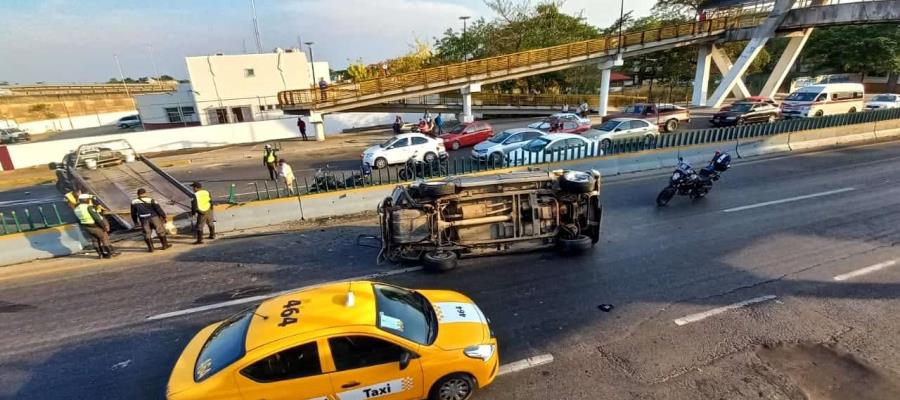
(866, 270)
(252, 299)
(788, 200)
(706, 314)
(529, 362)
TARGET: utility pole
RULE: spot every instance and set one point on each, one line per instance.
(465, 43)
(255, 27)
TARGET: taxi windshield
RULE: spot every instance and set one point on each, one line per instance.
(405, 313)
(224, 346)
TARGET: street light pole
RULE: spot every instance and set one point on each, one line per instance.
(621, 24)
(465, 43)
(312, 62)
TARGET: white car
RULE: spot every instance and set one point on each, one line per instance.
(130, 121)
(623, 128)
(881, 101)
(400, 148)
(544, 124)
(498, 146)
(554, 147)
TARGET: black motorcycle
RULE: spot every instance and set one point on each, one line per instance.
(415, 168)
(687, 182)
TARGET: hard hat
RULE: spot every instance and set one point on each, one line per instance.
(84, 196)
(268, 146)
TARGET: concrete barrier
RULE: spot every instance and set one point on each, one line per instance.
(830, 137)
(755, 146)
(45, 243)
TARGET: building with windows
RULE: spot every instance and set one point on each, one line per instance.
(227, 89)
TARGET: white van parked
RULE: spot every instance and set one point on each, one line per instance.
(823, 99)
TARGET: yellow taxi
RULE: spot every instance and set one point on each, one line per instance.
(346, 341)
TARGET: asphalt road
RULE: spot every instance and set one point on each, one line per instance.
(774, 233)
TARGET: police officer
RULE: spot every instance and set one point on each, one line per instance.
(146, 213)
(95, 226)
(269, 159)
(201, 206)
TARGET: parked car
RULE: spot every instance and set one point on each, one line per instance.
(439, 222)
(668, 117)
(824, 99)
(467, 134)
(398, 149)
(13, 135)
(554, 147)
(623, 128)
(752, 99)
(498, 146)
(887, 100)
(130, 121)
(745, 112)
(545, 123)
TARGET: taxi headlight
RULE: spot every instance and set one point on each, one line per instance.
(483, 351)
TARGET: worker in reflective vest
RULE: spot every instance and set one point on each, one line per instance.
(149, 216)
(95, 226)
(201, 207)
(72, 197)
(269, 160)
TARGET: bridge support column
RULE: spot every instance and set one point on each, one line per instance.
(466, 92)
(761, 35)
(318, 125)
(785, 62)
(723, 64)
(605, 73)
(701, 75)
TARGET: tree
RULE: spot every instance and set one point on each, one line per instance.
(870, 49)
(678, 8)
(165, 77)
(358, 71)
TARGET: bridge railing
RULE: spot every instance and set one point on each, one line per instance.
(315, 97)
(518, 99)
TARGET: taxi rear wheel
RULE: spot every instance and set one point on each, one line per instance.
(453, 387)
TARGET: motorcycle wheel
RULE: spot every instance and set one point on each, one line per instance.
(664, 196)
(403, 174)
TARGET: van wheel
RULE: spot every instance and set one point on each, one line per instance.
(671, 125)
(437, 189)
(578, 245)
(380, 163)
(453, 387)
(439, 260)
(576, 182)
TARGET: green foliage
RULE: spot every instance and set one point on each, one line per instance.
(869, 49)
(357, 71)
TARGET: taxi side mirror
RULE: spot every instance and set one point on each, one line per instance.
(405, 358)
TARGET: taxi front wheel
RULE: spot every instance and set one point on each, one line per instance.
(453, 387)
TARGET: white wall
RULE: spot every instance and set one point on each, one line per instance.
(65, 124)
(152, 107)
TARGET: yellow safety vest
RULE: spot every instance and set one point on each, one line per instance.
(270, 156)
(204, 202)
(71, 199)
(83, 215)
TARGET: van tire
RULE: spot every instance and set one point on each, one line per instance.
(577, 182)
(439, 261)
(437, 189)
(578, 245)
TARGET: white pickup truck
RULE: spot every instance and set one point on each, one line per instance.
(13, 135)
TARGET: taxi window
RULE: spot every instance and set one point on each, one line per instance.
(352, 352)
(224, 346)
(293, 363)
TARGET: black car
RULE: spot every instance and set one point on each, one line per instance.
(741, 113)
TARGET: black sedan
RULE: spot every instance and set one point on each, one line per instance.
(746, 113)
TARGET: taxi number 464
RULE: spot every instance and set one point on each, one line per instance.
(289, 309)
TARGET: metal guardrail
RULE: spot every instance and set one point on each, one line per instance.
(344, 180)
(314, 97)
(34, 217)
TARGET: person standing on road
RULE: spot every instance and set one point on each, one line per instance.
(95, 226)
(439, 124)
(287, 173)
(201, 207)
(323, 87)
(269, 160)
(302, 127)
(149, 216)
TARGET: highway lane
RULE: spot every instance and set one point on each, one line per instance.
(86, 334)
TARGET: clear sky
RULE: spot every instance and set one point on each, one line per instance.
(64, 41)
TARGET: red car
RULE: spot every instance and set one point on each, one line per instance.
(467, 134)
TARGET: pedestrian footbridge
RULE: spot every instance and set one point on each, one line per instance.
(792, 18)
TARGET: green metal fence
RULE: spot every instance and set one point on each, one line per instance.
(332, 181)
(33, 217)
